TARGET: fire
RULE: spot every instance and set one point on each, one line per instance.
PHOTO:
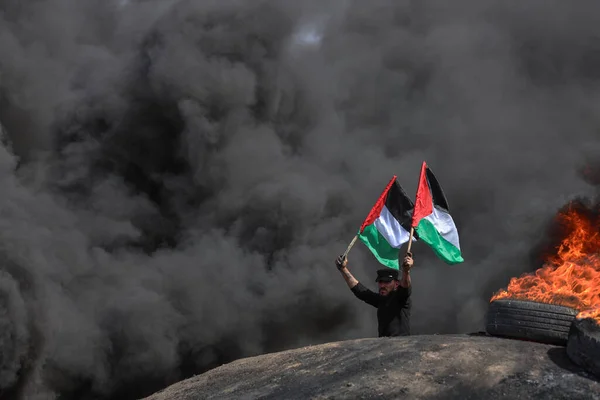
(593, 313)
(571, 276)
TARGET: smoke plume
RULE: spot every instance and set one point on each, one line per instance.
(179, 176)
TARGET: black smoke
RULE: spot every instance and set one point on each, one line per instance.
(178, 176)
(564, 225)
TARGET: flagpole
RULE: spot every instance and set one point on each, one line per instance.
(350, 246)
(412, 230)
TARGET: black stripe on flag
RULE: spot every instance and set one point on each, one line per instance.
(400, 205)
(437, 194)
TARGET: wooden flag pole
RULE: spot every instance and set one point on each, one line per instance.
(350, 246)
(412, 230)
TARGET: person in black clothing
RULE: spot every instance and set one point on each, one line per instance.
(393, 301)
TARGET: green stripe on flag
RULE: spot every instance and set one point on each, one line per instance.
(443, 248)
(381, 249)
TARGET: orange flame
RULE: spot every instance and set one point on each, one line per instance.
(593, 313)
(571, 277)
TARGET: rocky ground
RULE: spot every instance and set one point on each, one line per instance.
(417, 367)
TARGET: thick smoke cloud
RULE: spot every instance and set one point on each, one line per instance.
(178, 176)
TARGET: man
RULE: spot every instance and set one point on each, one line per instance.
(393, 301)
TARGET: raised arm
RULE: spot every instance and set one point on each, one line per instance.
(407, 264)
(341, 263)
(359, 290)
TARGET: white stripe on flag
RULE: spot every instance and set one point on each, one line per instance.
(391, 229)
(444, 224)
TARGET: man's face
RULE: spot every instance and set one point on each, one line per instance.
(386, 288)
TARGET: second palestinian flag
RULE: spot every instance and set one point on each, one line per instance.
(387, 226)
(432, 220)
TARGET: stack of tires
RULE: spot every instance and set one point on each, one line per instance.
(583, 346)
(547, 323)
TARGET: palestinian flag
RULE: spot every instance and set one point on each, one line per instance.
(432, 220)
(387, 226)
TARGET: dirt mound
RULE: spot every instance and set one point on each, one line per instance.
(415, 367)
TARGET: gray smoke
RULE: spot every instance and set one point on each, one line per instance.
(179, 176)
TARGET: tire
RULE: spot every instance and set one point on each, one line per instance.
(583, 346)
(530, 320)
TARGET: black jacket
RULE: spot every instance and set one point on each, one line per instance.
(393, 311)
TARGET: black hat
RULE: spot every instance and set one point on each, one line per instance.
(386, 275)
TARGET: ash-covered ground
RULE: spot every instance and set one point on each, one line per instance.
(424, 367)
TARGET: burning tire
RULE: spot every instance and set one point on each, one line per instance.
(583, 346)
(530, 320)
